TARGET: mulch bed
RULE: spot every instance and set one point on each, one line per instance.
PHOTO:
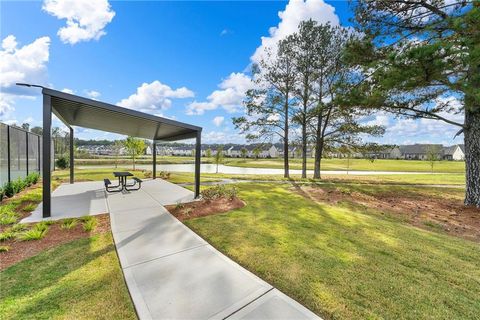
(450, 215)
(204, 208)
(20, 250)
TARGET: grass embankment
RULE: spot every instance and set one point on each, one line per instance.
(78, 280)
(346, 262)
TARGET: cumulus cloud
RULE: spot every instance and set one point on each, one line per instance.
(154, 96)
(218, 120)
(295, 12)
(229, 96)
(221, 137)
(93, 94)
(67, 90)
(86, 19)
(21, 64)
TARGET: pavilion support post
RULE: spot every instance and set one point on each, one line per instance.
(47, 155)
(154, 153)
(72, 169)
(198, 155)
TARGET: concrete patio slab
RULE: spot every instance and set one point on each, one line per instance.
(73, 200)
(274, 305)
(172, 273)
(158, 235)
(195, 284)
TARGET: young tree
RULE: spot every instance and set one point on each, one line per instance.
(218, 157)
(421, 59)
(268, 105)
(116, 150)
(256, 152)
(244, 152)
(134, 148)
(433, 152)
(208, 153)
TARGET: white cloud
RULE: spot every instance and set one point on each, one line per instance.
(380, 119)
(222, 137)
(21, 64)
(224, 32)
(86, 19)
(230, 95)
(93, 94)
(67, 90)
(218, 120)
(295, 12)
(151, 97)
(25, 64)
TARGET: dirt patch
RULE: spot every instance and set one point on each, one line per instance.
(449, 215)
(20, 250)
(204, 208)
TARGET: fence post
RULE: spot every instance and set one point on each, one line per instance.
(8, 154)
(26, 150)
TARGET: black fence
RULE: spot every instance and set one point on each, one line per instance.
(20, 153)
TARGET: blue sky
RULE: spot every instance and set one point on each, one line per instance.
(184, 60)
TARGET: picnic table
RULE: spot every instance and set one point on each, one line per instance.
(122, 182)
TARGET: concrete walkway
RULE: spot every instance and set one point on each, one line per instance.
(172, 273)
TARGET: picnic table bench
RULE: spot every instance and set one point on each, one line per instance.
(122, 182)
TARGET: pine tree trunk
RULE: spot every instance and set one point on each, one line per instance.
(318, 149)
(472, 155)
(304, 150)
(286, 168)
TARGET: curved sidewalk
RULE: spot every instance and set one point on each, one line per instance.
(172, 273)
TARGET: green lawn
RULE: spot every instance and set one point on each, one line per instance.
(345, 263)
(355, 164)
(78, 280)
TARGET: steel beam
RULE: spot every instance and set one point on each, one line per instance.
(198, 155)
(47, 155)
(154, 145)
(72, 178)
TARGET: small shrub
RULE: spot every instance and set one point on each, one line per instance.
(8, 215)
(29, 207)
(32, 178)
(19, 184)
(8, 189)
(188, 212)
(219, 191)
(164, 175)
(7, 235)
(179, 206)
(62, 162)
(32, 234)
(147, 173)
(69, 223)
(89, 223)
(19, 227)
(36, 233)
(4, 248)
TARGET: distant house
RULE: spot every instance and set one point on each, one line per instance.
(148, 151)
(454, 152)
(419, 151)
(386, 153)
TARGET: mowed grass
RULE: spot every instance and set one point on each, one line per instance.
(344, 263)
(355, 164)
(78, 280)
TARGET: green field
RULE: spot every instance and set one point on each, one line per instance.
(78, 280)
(345, 262)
